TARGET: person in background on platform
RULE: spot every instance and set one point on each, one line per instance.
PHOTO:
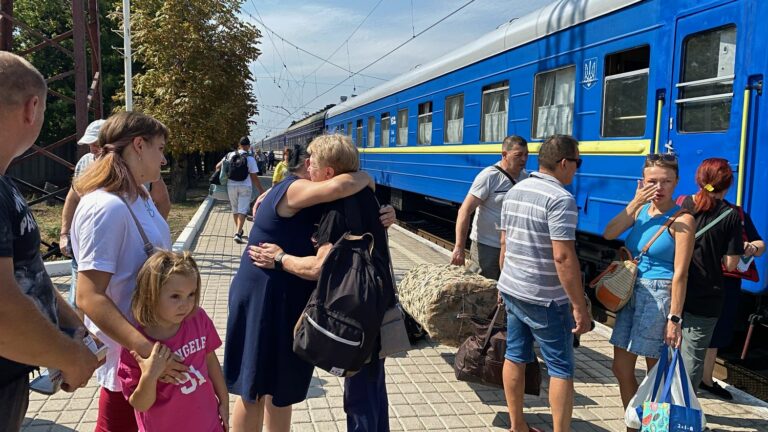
(240, 191)
(720, 244)
(652, 317)
(157, 190)
(723, 333)
(365, 393)
(31, 310)
(282, 167)
(485, 198)
(540, 280)
(115, 225)
(166, 308)
(260, 160)
(259, 363)
(271, 160)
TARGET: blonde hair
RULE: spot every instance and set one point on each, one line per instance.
(153, 276)
(19, 81)
(110, 171)
(335, 151)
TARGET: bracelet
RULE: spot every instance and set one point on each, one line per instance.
(64, 233)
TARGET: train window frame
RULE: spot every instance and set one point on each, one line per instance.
(622, 60)
(536, 93)
(385, 125)
(424, 121)
(402, 128)
(460, 111)
(488, 92)
(371, 132)
(728, 79)
(359, 133)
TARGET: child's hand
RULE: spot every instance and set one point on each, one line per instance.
(224, 414)
(154, 366)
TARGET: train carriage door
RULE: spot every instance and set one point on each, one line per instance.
(705, 115)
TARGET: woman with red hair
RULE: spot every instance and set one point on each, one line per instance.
(718, 243)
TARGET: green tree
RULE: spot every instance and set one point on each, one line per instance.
(195, 78)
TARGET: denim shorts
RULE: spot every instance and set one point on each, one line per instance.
(550, 326)
(640, 324)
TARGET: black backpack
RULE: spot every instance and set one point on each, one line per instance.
(238, 167)
(339, 328)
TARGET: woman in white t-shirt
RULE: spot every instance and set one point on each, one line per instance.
(110, 249)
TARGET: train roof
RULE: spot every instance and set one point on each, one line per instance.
(550, 19)
(320, 115)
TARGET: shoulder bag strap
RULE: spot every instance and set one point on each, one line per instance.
(149, 248)
(501, 170)
(722, 216)
(661, 231)
(489, 332)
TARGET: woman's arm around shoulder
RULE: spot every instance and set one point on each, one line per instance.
(304, 193)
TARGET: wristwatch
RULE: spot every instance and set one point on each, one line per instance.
(675, 319)
(279, 261)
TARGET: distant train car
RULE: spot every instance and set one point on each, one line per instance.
(626, 77)
(300, 132)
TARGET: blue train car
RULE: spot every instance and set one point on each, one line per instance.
(626, 77)
(300, 132)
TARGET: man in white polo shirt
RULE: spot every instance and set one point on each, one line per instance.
(243, 175)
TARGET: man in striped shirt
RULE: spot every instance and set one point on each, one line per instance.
(541, 280)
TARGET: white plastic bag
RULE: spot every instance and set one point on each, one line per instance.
(651, 387)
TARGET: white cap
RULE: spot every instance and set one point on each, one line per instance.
(91, 132)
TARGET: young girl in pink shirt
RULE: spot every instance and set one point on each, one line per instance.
(165, 306)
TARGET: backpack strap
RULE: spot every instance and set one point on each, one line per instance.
(681, 199)
(149, 248)
(722, 216)
(501, 170)
(661, 230)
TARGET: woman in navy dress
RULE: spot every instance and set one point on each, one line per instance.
(264, 304)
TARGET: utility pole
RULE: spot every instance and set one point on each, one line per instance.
(127, 54)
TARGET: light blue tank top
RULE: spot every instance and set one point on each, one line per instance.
(659, 261)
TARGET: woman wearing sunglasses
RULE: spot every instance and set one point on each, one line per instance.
(652, 316)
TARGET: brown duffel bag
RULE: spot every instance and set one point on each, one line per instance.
(480, 358)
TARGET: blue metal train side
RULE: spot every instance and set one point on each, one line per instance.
(607, 180)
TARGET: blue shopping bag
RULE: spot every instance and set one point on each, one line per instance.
(665, 416)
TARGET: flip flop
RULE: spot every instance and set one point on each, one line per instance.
(530, 429)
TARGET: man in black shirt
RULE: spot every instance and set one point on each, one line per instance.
(31, 308)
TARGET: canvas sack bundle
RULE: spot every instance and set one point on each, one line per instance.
(480, 359)
(434, 294)
(613, 287)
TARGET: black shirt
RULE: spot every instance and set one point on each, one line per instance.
(20, 241)
(335, 222)
(705, 275)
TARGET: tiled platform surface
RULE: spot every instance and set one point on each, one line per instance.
(423, 393)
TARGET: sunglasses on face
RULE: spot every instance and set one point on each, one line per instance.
(666, 157)
(578, 161)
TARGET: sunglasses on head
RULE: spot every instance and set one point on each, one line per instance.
(578, 161)
(666, 157)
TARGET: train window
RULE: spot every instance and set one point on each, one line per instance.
(553, 95)
(495, 107)
(425, 123)
(706, 87)
(359, 134)
(454, 119)
(625, 94)
(349, 129)
(385, 130)
(402, 127)
(371, 131)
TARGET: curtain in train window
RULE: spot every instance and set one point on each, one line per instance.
(371, 131)
(359, 134)
(553, 107)
(495, 107)
(454, 119)
(425, 123)
(402, 127)
(625, 94)
(385, 130)
(349, 129)
(706, 87)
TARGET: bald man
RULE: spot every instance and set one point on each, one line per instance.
(31, 310)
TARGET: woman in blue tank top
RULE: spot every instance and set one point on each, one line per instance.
(652, 317)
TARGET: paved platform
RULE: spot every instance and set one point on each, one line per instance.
(423, 393)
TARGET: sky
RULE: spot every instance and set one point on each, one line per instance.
(291, 75)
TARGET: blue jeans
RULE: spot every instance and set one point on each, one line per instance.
(365, 399)
(550, 326)
(641, 323)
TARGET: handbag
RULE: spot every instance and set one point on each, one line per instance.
(613, 287)
(215, 177)
(480, 359)
(751, 273)
(667, 414)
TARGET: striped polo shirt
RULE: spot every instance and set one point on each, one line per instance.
(535, 212)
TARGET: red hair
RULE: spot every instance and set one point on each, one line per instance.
(714, 175)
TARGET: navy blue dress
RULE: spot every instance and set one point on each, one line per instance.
(264, 306)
